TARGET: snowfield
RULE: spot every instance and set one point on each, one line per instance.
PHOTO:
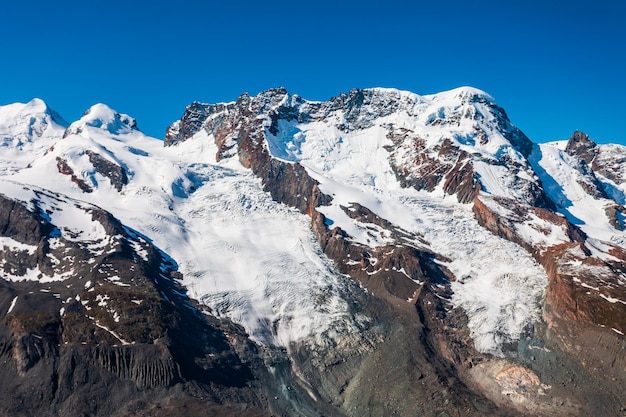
(244, 255)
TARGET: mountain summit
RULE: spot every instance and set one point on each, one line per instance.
(379, 253)
(101, 116)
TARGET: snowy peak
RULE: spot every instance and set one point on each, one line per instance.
(24, 122)
(101, 116)
(460, 135)
(90, 154)
(27, 131)
(463, 95)
(33, 108)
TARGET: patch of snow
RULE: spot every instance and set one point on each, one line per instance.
(7, 243)
(12, 306)
(102, 300)
(111, 332)
(612, 299)
(139, 249)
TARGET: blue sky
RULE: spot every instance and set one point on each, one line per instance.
(554, 68)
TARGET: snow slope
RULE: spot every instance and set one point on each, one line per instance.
(500, 285)
(27, 131)
(244, 255)
(565, 184)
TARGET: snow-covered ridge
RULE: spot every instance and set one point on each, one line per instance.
(359, 146)
(246, 256)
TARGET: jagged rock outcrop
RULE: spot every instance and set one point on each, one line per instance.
(65, 169)
(115, 173)
(580, 145)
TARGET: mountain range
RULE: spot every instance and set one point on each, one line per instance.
(379, 253)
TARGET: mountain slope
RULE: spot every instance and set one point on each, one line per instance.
(91, 307)
(381, 238)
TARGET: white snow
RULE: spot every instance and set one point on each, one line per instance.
(562, 181)
(13, 302)
(539, 233)
(111, 332)
(500, 285)
(612, 300)
(244, 255)
(7, 243)
(27, 131)
(258, 262)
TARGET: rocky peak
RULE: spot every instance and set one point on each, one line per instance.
(467, 122)
(580, 145)
(193, 119)
(362, 107)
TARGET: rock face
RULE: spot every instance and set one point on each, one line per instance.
(463, 271)
(82, 316)
(115, 173)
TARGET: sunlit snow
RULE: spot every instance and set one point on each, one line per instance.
(258, 262)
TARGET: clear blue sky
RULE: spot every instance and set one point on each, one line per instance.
(555, 66)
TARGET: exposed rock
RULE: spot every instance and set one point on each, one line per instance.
(580, 145)
(115, 173)
(449, 166)
(21, 224)
(65, 169)
(119, 322)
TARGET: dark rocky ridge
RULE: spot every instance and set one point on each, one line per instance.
(93, 345)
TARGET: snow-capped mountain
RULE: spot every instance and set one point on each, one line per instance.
(26, 132)
(378, 236)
